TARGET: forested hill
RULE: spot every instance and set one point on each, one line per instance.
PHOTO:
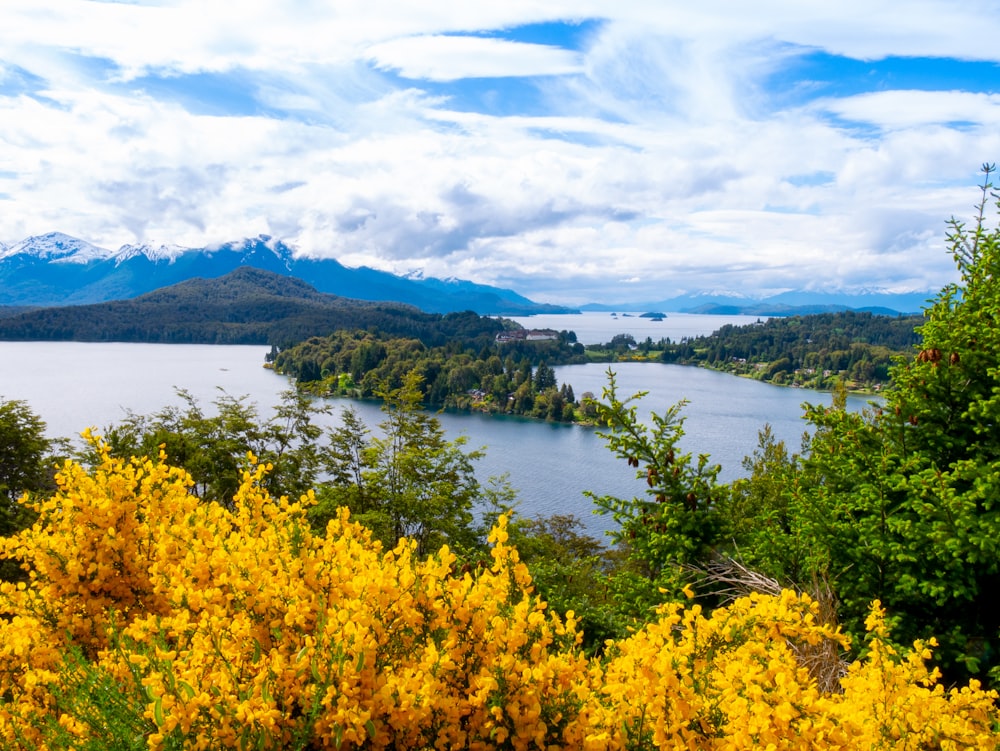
(812, 351)
(246, 306)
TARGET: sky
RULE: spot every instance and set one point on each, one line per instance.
(575, 152)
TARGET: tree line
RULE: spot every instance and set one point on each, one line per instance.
(813, 351)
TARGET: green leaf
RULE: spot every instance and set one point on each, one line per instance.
(186, 689)
(314, 669)
(158, 716)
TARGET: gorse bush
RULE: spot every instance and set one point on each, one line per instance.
(151, 619)
(242, 624)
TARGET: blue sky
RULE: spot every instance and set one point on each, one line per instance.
(572, 151)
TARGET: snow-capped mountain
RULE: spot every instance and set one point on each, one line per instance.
(57, 269)
(152, 253)
(55, 247)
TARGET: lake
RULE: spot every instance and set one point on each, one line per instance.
(599, 328)
(74, 385)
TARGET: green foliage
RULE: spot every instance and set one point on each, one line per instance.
(676, 523)
(761, 516)
(942, 418)
(902, 503)
(408, 481)
(213, 448)
(816, 351)
(23, 453)
(544, 377)
(464, 373)
(112, 711)
(26, 466)
(246, 306)
(570, 571)
(621, 343)
(425, 484)
(848, 510)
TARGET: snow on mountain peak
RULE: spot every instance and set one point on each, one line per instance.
(723, 292)
(153, 253)
(57, 247)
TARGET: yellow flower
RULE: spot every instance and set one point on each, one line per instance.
(239, 626)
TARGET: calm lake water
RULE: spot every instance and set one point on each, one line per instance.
(599, 328)
(74, 385)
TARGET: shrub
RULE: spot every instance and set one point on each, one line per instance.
(154, 620)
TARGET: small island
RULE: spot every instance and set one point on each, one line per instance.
(654, 316)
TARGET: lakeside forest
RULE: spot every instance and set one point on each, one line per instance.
(510, 372)
(197, 579)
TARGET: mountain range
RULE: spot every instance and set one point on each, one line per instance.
(784, 304)
(57, 269)
(245, 306)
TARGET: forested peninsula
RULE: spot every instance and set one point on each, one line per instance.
(816, 351)
(510, 373)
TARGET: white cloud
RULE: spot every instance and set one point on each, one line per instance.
(655, 150)
(449, 58)
(909, 109)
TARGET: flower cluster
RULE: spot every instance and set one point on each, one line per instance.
(735, 679)
(180, 624)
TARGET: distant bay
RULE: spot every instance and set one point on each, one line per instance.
(74, 385)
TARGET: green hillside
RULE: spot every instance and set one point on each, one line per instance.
(246, 306)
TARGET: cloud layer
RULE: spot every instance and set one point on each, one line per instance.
(574, 152)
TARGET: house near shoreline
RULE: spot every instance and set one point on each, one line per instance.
(527, 335)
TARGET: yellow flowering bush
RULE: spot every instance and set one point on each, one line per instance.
(734, 679)
(153, 620)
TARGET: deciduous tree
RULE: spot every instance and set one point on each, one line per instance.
(675, 522)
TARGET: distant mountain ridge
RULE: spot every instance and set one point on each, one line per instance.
(878, 302)
(57, 269)
(246, 306)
